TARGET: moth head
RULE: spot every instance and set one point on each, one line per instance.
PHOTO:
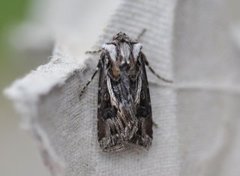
(121, 37)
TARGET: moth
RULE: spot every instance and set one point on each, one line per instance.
(124, 106)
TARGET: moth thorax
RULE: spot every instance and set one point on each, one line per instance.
(125, 51)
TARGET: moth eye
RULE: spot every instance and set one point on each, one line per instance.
(136, 50)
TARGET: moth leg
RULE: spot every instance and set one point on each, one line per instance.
(86, 85)
(153, 72)
(141, 34)
(94, 52)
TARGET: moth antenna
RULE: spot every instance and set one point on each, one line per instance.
(141, 34)
(153, 71)
(86, 85)
(93, 52)
(158, 76)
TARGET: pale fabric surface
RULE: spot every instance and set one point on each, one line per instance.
(198, 124)
(207, 73)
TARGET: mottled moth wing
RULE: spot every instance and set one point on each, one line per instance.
(109, 131)
(143, 136)
(117, 123)
(124, 105)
